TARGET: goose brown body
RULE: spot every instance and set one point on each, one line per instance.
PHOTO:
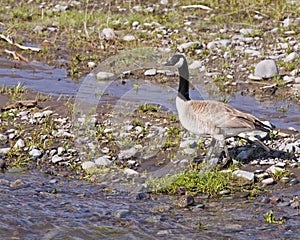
(209, 117)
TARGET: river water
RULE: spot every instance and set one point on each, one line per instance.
(39, 206)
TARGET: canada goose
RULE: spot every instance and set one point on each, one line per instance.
(209, 117)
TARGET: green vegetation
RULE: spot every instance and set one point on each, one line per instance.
(210, 182)
(270, 218)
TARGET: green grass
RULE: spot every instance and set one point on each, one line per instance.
(211, 182)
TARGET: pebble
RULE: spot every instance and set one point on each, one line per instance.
(244, 174)
(121, 213)
(266, 69)
(187, 46)
(131, 172)
(35, 153)
(128, 153)
(87, 165)
(291, 57)
(19, 143)
(104, 76)
(273, 169)
(268, 181)
(4, 150)
(128, 38)
(246, 31)
(60, 150)
(190, 143)
(185, 201)
(150, 72)
(108, 34)
(103, 161)
(56, 159)
(3, 137)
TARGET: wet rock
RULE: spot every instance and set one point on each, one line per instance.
(19, 143)
(266, 69)
(88, 165)
(164, 232)
(245, 155)
(268, 181)
(17, 184)
(293, 181)
(224, 192)
(35, 153)
(3, 165)
(56, 159)
(108, 34)
(244, 174)
(103, 161)
(128, 153)
(121, 213)
(104, 75)
(185, 201)
(150, 72)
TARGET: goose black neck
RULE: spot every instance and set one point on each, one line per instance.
(183, 90)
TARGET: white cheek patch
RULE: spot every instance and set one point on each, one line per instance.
(179, 63)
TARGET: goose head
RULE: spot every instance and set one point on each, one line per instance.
(177, 60)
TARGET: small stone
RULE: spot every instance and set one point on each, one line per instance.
(19, 144)
(185, 201)
(224, 192)
(273, 169)
(195, 64)
(104, 75)
(38, 28)
(60, 150)
(35, 153)
(91, 65)
(295, 205)
(130, 172)
(189, 144)
(56, 159)
(108, 34)
(3, 137)
(128, 153)
(121, 213)
(4, 150)
(38, 115)
(291, 57)
(266, 69)
(246, 31)
(128, 38)
(135, 24)
(103, 161)
(267, 181)
(245, 155)
(17, 184)
(186, 46)
(244, 174)
(87, 165)
(150, 72)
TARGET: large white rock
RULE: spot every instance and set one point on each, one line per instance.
(266, 69)
(108, 34)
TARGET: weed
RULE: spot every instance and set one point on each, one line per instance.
(149, 108)
(270, 218)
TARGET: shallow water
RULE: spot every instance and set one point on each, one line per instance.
(46, 207)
